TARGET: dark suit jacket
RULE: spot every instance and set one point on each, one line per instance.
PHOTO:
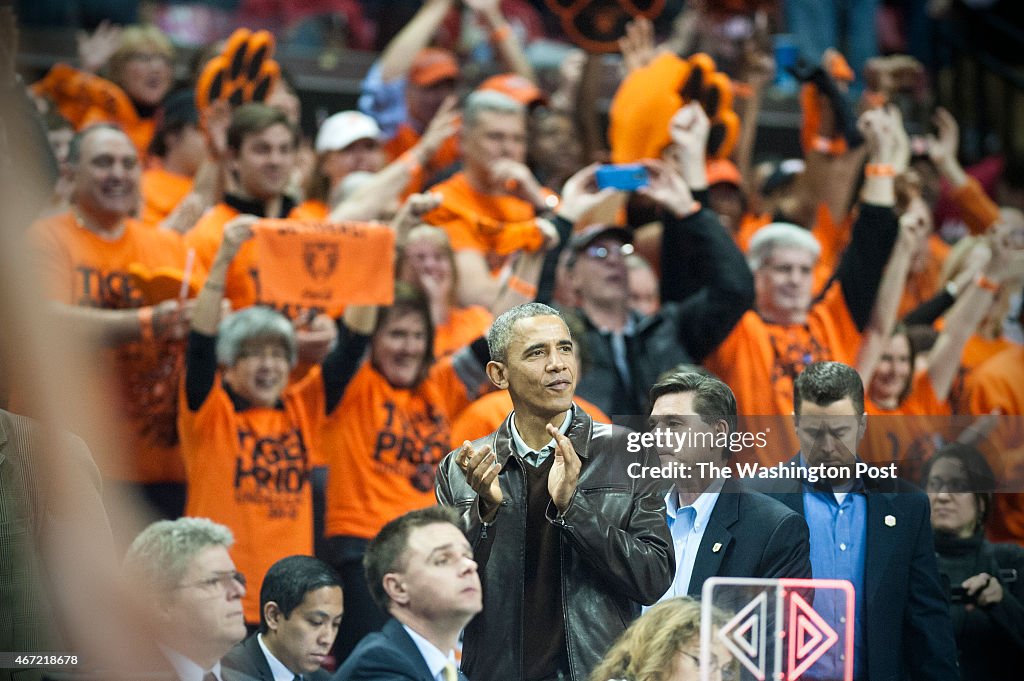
(387, 655)
(759, 537)
(247, 657)
(908, 627)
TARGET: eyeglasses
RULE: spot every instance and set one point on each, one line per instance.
(727, 673)
(602, 252)
(226, 580)
(935, 485)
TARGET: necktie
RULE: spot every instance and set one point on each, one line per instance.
(449, 673)
(210, 676)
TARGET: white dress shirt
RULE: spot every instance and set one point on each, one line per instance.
(277, 668)
(434, 657)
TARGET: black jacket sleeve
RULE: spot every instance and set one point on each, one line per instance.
(546, 285)
(930, 310)
(860, 270)
(704, 271)
(341, 364)
(200, 368)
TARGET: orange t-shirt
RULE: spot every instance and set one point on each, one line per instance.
(834, 237)
(311, 209)
(484, 415)
(162, 191)
(84, 269)
(464, 325)
(405, 139)
(383, 445)
(492, 224)
(977, 351)
(922, 286)
(909, 434)
(249, 470)
(760, 360)
(999, 384)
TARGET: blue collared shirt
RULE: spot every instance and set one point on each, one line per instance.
(687, 525)
(838, 535)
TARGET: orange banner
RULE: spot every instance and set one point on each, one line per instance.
(325, 264)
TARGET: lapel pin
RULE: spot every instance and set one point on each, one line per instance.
(717, 547)
(890, 521)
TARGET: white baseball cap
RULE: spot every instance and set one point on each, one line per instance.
(344, 128)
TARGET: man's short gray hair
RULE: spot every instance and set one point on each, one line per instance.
(779, 235)
(500, 335)
(251, 323)
(488, 100)
(78, 139)
(159, 556)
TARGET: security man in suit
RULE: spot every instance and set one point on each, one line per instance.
(719, 527)
(300, 612)
(420, 569)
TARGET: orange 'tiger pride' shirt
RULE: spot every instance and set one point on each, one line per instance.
(81, 268)
(249, 470)
(383, 445)
(760, 360)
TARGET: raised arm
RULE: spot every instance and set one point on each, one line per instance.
(707, 313)
(1005, 264)
(759, 69)
(833, 159)
(874, 232)
(521, 286)
(398, 56)
(976, 208)
(579, 195)
(503, 37)
(914, 227)
(373, 198)
(200, 354)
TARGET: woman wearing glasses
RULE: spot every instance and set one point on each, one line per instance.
(664, 645)
(986, 587)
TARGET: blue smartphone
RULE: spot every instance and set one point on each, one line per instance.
(625, 177)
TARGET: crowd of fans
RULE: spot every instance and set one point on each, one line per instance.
(304, 429)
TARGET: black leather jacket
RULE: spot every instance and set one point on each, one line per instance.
(616, 551)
